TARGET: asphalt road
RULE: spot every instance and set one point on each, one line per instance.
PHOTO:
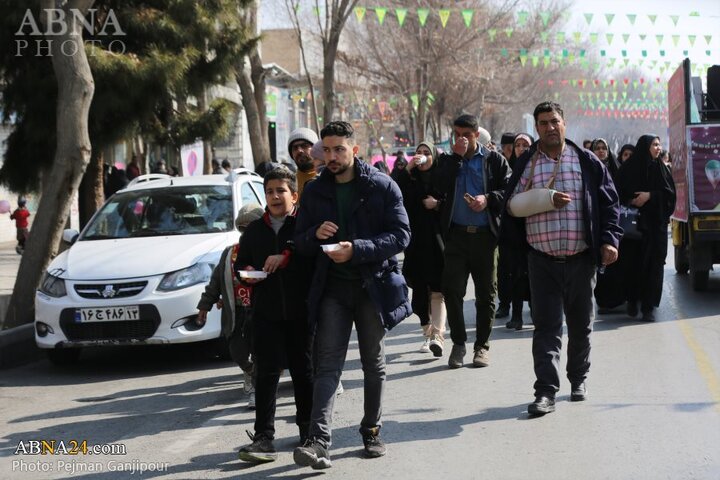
(653, 409)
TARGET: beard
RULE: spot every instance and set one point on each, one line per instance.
(340, 168)
(304, 162)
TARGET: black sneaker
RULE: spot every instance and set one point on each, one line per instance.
(261, 449)
(502, 311)
(312, 454)
(374, 446)
(542, 405)
(578, 392)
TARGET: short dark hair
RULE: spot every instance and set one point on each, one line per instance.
(226, 163)
(545, 107)
(284, 174)
(337, 129)
(467, 121)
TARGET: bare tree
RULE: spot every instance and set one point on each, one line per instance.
(331, 27)
(75, 93)
(293, 7)
(250, 76)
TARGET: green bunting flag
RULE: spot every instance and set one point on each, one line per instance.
(609, 17)
(662, 53)
(642, 37)
(360, 13)
(504, 52)
(603, 53)
(492, 32)
(423, 15)
(560, 36)
(381, 12)
(659, 38)
(594, 38)
(535, 60)
(546, 62)
(544, 36)
(644, 53)
(652, 18)
(609, 37)
(685, 53)
(624, 53)
(415, 100)
(632, 18)
(401, 14)
(588, 18)
(509, 32)
(675, 19)
(625, 37)
(444, 14)
(546, 53)
(467, 15)
(577, 36)
(692, 39)
(694, 14)
(708, 39)
(676, 39)
(522, 17)
(545, 16)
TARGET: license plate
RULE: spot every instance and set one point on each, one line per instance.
(107, 314)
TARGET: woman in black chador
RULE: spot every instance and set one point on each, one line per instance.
(645, 182)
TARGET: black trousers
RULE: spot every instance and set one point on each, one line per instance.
(276, 346)
(561, 288)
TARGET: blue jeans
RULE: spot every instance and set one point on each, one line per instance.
(343, 303)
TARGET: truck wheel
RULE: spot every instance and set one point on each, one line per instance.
(682, 262)
(63, 356)
(700, 280)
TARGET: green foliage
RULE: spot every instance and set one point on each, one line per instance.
(146, 78)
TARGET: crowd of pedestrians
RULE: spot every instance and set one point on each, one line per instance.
(535, 221)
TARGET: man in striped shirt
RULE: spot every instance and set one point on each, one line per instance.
(577, 233)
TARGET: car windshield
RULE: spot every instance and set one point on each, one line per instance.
(164, 211)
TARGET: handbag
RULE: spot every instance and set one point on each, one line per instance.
(629, 217)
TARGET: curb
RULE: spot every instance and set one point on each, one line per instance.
(17, 346)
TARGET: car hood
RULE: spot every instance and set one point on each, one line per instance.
(138, 257)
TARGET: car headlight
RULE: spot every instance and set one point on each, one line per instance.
(53, 286)
(187, 277)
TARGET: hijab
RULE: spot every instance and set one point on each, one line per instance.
(642, 173)
(610, 162)
(627, 146)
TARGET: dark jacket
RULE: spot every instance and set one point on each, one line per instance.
(424, 255)
(281, 297)
(378, 228)
(496, 173)
(221, 286)
(601, 207)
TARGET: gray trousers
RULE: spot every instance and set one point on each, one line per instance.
(343, 303)
(556, 289)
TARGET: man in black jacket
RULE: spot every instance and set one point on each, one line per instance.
(357, 214)
(473, 180)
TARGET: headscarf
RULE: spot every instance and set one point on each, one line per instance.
(611, 162)
(431, 147)
(513, 158)
(642, 173)
(627, 146)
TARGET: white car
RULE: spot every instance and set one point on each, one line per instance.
(135, 274)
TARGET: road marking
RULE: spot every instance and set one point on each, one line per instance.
(703, 362)
(701, 358)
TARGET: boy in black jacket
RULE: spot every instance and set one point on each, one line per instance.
(281, 337)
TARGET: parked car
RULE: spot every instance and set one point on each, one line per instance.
(135, 273)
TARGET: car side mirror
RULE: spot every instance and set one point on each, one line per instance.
(70, 235)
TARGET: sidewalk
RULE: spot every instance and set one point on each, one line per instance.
(9, 264)
(17, 345)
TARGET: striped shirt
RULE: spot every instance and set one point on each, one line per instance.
(560, 231)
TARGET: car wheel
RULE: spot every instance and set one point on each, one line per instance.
(63, 356)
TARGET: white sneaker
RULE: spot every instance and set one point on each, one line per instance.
(247, 383)
(340, 390)
(436, 345)
(425, 347)
(251, 401)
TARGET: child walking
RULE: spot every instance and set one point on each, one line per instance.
(281, 335)
(20, 215)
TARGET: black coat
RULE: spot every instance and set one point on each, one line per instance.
(424, 255)
(282, 296)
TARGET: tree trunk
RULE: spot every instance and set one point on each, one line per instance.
(260, 147)
(75, 92)
(329, 82)
(92, 192)
(257, 75)
(207, 146)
